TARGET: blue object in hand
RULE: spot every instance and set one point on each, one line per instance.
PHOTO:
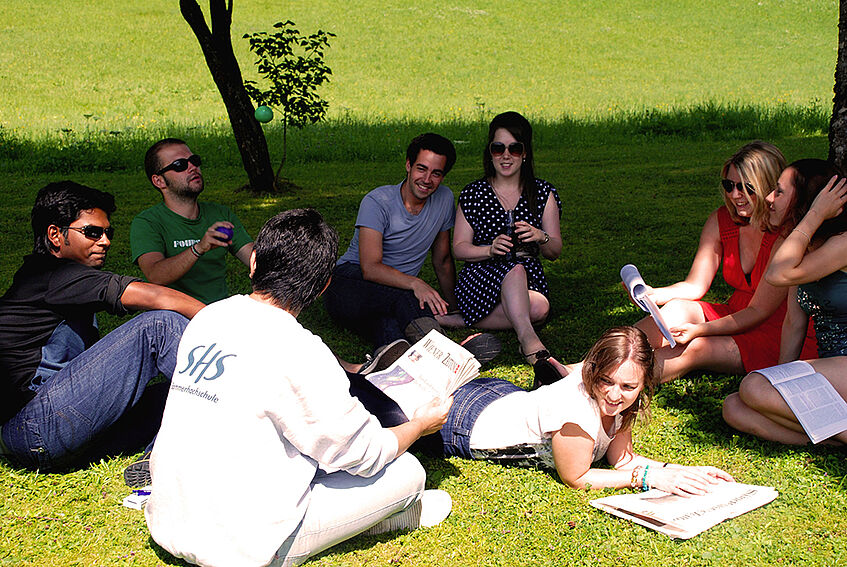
(226, 230)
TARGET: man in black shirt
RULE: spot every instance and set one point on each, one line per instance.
(66, 396)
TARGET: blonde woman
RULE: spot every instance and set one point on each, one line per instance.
(743, 334)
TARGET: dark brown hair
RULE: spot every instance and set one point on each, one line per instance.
(809, 177)
(520, 128)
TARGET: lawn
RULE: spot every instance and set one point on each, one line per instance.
(635, 108)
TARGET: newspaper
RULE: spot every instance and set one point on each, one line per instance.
(638, 291)
(433, 368)
(819, 408)
(683, 517)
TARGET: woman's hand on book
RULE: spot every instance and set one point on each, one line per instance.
(685, 333)
(686, 481)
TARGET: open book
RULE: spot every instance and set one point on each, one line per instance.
(819, 408)
(638, 291)
(684, 517)
(433, 368)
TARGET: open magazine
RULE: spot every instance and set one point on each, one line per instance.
(433, 368)
(638, 291)
(819, 408)
(684, 517)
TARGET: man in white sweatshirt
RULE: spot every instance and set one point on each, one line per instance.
(306, 466)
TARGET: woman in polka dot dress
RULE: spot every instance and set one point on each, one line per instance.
(502, 285)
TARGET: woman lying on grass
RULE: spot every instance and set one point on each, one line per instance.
(570, 424)
(743, 334)
(813, 261)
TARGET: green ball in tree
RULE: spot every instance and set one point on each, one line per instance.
(264, 113)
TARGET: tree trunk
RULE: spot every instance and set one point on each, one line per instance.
(838, 122)
(220, 58)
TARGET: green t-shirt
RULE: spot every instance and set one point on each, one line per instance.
(159, 229)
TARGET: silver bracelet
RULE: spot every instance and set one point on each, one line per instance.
(809, 238)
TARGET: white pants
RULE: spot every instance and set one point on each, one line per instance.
(343, 505)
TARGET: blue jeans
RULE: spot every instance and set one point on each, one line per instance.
(468, 403)
(378, 312)
(96, 403)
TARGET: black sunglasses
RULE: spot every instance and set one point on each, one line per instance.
(728, 186)
(92, 231)
(181, 164)
(499, 148)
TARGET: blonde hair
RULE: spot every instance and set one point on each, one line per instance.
(759, 164)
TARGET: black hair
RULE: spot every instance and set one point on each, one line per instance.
(809, 177)
(151, 158)
(295, 254)
(60, 204)
(521, 129)
(436, 144)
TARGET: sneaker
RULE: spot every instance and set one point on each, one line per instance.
(385, 356)
(433, 507)
(484, 346)
(418, 328)
(137, 474)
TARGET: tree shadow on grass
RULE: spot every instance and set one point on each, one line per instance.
(700, 397)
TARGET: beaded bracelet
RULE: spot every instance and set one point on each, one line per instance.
(644, 486)
(634, 481)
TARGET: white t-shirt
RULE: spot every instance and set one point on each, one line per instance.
(257, 403)
(530, 418)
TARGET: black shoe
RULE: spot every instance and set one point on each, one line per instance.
(484, 346)
(418, 328)
(385, 356)
(137, 474)
(545, 372)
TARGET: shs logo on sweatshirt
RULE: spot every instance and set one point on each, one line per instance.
(206, 366)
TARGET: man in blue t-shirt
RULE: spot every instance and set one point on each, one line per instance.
(375, 288)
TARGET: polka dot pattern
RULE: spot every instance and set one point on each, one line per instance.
(478, 284)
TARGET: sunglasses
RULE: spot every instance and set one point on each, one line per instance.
(181, 164)
(499, 148)
(93, 232)
(728, 186)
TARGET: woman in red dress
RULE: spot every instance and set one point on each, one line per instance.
(743, 334)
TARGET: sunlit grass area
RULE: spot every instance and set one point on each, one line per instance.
(635, 106)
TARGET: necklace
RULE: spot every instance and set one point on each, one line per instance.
(508, 202)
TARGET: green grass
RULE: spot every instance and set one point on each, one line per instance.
(635, 106)
(641, 201)
(111, 66)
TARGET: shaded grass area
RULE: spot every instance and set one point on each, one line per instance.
(639, 198)
(349, 139)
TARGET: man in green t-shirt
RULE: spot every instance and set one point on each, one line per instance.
(182, 243)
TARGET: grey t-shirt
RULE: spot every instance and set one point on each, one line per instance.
(406, 238)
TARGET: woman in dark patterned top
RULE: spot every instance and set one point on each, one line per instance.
(504, 220)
